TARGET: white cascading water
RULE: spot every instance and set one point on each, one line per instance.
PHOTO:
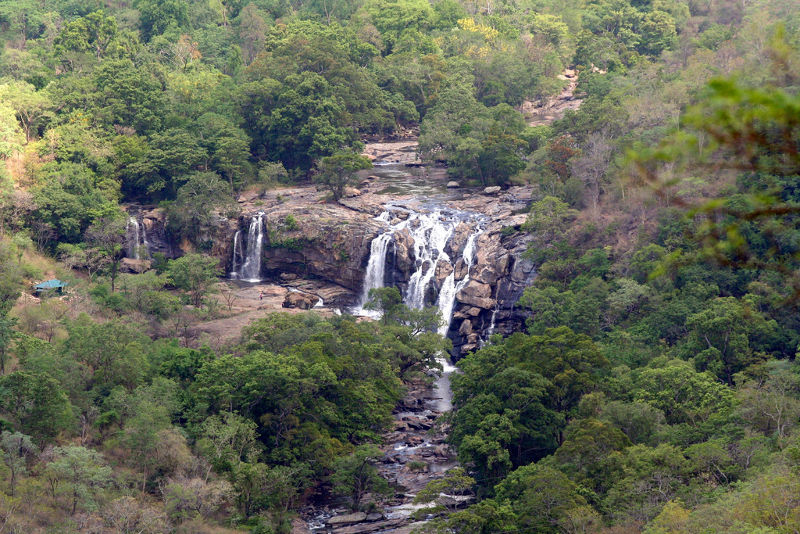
(490, 330)
(237, 255)
(145, 244)
(251, 268)
(136, 239)
(450, 288)
(132, 238)
(430, 233)
(376, 266)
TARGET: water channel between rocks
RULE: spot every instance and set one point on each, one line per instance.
(441, 247)
(444, 242)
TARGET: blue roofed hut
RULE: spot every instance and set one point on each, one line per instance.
(50, 286)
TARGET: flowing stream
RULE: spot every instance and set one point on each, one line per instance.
(136, 245)
(431, 232)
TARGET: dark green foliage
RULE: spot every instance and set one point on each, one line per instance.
(356, 475)
(193, 274)
(654, 388)
(36, 403)
(336, 172)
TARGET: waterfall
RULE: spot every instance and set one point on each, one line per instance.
(447, 295)
(430, 235)
(136, 239)
(237, 255)
(490, 330)
(251, 268)
(375, 274)
(145, 244)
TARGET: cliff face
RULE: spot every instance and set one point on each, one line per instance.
(306, 237)
(321, 241)
(486, 303)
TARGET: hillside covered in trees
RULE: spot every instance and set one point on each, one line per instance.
(640, 159)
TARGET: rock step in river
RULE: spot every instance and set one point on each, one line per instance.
(415, 450)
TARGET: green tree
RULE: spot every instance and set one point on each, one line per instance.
(37, 403)
(82, 471)
(32, 108)
(541, 496)
(228, 148)
(590, 452)
(17, 449)
(107, 235)
(721, 336)
(159, 166)
(454, 482)
(296, 122)
(7, 336)
(228, 439)
(128, 95)
(199, 200)
(85, 36)
(114, 352)
(683, 394)
(393, 18)
(338, 171)
(193, 274)
(355, 475)
(156, 16)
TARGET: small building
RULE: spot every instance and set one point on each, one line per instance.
(50, 286)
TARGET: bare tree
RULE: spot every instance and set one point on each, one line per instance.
(591, 165)
(229, 296)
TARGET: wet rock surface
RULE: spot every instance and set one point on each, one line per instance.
(415, 453)
(308, 241)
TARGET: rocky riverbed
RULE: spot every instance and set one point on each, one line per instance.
(313, 254)
(321, 243)
(415, 453)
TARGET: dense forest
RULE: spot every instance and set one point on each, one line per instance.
(653, 386)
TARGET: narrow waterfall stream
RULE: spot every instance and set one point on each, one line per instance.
(236, 257)
(136, 245)
(251, 257)
(438, 241)
(375, 275)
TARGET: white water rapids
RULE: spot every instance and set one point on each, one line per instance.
(430, 233)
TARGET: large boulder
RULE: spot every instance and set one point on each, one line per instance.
(443, 270)
(461, 269)
(456, 243)
(303, 301)
(404, 251)
(351, 192)
(131, 265)
(477, 294)
(347, 519)
(479, 302)
(476, 288)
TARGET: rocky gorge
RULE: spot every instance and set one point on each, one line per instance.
(456, 248)
(306, 237)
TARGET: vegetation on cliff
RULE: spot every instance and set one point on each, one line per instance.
(654, 387)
